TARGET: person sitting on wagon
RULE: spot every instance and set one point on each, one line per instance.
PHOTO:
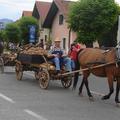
(59, 57)
(73, 54)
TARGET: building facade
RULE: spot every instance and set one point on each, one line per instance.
(40, 11)
(56, 22)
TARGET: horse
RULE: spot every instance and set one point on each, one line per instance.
(91, 57)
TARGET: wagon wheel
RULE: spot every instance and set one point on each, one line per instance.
(44, 78)
(1, 65)
(66, 81)
(19, 72)
(36, 75)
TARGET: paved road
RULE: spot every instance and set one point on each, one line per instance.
(24, 100)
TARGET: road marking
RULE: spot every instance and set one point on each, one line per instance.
(97, 93)
(34, 114)
(6, 98)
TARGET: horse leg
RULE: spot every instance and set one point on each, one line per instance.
(81, 87)
(85, 81)
(76, 75)
(85, 75)
(88, 90)
(111, 89)
(117, 91)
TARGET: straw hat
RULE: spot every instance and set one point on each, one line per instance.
(57, 40)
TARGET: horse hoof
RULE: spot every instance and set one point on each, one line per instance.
(80, 94)
(105, 97)
(73, 88)
(91, 98)
(117, 104)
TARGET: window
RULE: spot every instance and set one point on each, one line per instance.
(61, 19)
(64, 43)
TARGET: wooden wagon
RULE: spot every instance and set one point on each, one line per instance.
(43, 69)
(7, 59)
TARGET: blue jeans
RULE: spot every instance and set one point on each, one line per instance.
(73, 64)
(67, 62)
(59, 61)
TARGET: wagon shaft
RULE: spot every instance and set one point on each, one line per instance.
(88, 68)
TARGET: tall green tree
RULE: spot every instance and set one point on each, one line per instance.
(13, 33)
(2, 35)
(25, 23)
(92, 18)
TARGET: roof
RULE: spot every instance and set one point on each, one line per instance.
(27, 13)
(61, 5)
(41, 9)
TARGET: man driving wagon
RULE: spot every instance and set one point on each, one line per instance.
(59, 57)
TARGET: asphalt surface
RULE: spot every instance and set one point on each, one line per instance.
(25, 100)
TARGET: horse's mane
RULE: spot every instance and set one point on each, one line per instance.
(78, 55)
(80, 51)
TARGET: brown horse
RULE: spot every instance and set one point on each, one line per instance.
(90, 57)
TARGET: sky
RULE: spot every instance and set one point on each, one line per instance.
(12, 9)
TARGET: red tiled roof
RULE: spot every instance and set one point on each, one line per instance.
(63, 6)
(57, 5)
(27, 13)
(43, 8)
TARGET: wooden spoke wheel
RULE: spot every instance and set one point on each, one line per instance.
(1, 65)
(66, 81)
(44, 79)
(36, 76)
(19, 72)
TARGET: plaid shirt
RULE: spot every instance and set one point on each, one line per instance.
(56, 50)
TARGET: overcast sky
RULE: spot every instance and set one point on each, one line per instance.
(12, 9)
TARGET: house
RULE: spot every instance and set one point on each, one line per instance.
(26, 13)
(56, 22)
(40, 11)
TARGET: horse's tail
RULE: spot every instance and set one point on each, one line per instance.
(77, 67)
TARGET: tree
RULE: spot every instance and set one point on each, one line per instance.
(25, 23)
(2, 35)
(92, 18)
(13, 33)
